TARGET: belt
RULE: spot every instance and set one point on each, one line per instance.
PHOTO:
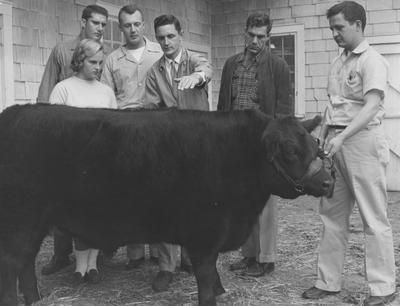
(337, 127)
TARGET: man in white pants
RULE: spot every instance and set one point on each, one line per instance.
(353, 134)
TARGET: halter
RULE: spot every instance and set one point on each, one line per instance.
(315, 166)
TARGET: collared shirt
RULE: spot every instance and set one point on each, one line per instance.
(245, 84)
(127, 76)
(351, 76)
(175, 62)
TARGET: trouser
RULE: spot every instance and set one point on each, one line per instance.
(262, 241)
(136, 251)
(360, 178)
(62, 244)
(168, 255)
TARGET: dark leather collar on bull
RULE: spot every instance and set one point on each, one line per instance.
(313, 168)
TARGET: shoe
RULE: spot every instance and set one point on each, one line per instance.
(55, 265)
(379, 300)
(93, 276)
(187, 267)
(134, 263)
(162, 281)
(78, 278)
(153, 260)
(259, 269)
(242, 264)
(315, 293)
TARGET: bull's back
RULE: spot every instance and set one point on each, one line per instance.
(112, 175)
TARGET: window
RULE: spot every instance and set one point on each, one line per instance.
(113, 37)
(287, 41)
(6, 56)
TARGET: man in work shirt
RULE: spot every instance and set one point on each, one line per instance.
(352, 132)
(125, 72)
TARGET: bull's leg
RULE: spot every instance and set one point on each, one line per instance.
(8, 289)
(218, 288)
(28, 283)
(208, 282)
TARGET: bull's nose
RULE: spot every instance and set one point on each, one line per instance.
(328, 186)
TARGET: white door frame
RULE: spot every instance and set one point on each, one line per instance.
(297, 30)
(6, 57)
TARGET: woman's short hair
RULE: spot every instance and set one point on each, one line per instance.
(85, 48)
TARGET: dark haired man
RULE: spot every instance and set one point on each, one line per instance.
(255, 78)
(189, 71)
(352, 132)
(125, 72)
(178, 79)
(93, 22)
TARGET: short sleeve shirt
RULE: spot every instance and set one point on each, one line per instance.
(351, 76)
(127, 76)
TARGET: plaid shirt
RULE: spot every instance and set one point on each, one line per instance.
(245, 84)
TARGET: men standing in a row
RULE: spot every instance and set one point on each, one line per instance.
(179, 79)
(58, 68)
(257, 79)
(352, 132)
(125, 72)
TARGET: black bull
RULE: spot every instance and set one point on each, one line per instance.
(198, 179)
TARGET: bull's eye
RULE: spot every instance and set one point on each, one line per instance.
(289, 153)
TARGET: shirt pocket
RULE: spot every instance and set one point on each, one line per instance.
(352, 86)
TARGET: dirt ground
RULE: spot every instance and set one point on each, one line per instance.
(299, 231)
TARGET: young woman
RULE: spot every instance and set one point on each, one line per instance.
(84, 90)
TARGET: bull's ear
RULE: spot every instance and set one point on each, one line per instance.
(311, 124)
(272, 146)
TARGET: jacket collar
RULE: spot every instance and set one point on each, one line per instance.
(183, 61)
(257, 58)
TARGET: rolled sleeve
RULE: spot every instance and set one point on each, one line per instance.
(375, 75)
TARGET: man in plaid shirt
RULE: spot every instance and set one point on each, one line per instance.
(257, 79)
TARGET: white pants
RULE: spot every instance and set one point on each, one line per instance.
(262, 240)
(360, 178)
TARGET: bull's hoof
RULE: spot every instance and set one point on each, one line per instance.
(162, 281)
(211, 302)
(218, 289)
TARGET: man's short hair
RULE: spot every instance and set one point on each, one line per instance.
(351, 10)
(85, 48)
(93, 9)
(167, 19)
(129, 9)
(259, 20)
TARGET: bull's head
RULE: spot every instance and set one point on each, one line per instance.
(299, 165)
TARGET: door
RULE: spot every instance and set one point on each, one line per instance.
(389, 47)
